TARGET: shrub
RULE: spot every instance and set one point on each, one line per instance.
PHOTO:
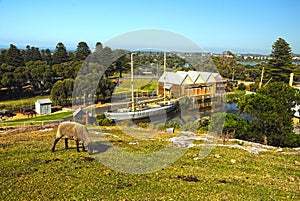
(160, 126)
(106, 122)
(103, 121)
(173, 124)
(143, 124)
(192, 126)
(242, 87)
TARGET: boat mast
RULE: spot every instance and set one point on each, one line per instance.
(165, 77)
(132, 92)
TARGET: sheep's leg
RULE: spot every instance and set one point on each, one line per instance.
(83, 148)
(77, 145)
(66, 143)
(55, 142)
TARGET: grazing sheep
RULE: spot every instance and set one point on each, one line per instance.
(76, 131)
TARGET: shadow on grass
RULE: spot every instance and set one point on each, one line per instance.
(99, 147)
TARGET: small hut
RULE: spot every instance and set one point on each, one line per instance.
(79, 114)
(43, 106)
(83, 116)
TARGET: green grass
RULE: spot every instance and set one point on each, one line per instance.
(11, 104)
(30, 171)
(234, 96)
(39, 119)
(145, 84)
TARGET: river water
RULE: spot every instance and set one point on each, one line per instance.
(190, 113)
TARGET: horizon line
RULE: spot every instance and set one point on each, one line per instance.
(214, 50)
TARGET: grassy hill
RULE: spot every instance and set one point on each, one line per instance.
(30, 171)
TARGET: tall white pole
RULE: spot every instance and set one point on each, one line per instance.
(132, 92)
(165, 60)
(261, 78)
(291, 79)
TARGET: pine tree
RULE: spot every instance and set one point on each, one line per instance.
(3, 56)
(46, 56)
(60, 54)
(280, 66)
(271, 111)
(36, 55)
(27, 56)
(82, 51)
(14, 56)
(99, 46)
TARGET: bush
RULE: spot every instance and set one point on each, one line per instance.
(242, 87)
(173, 124)
(253, 87)
(160, 126)
(103, 121)
(143, 124)
(192, 126)
(234, 97)
(229, 87)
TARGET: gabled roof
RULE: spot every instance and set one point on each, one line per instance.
(173, 78)
(207, 77)
(192, 74)
(195, 77)
(77, 111)
(44, 101)
(217, 76)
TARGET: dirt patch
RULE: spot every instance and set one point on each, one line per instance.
(188, 178)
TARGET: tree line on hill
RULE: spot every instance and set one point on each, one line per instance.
(28, 72)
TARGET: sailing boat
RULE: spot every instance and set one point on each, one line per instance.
(166, 107)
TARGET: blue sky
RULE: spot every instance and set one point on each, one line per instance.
(242, 26)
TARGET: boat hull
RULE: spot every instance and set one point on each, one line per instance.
(142, 114)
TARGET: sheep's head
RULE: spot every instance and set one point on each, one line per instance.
(90, 147)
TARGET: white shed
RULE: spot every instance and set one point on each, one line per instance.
(43, 106)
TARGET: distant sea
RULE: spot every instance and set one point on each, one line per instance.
(206, 49)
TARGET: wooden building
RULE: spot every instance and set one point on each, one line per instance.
(175, 84)
(220, 84)
(195, 84)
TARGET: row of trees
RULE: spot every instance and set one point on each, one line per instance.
(16, 57)
(30, 71)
